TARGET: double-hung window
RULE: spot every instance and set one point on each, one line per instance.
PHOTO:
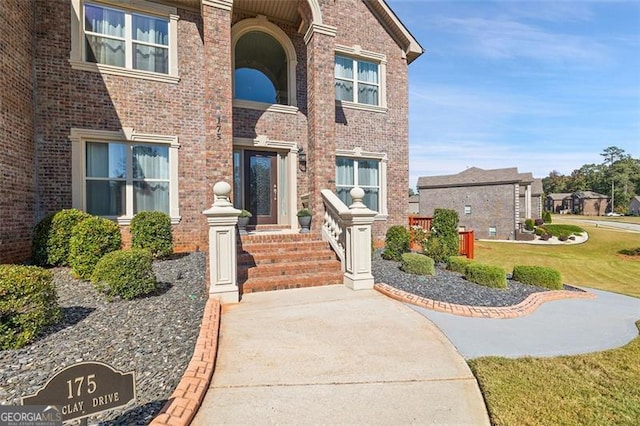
(109, 37)
(124, 179)
(120, 174)
(361, 172)
(357, 80)
(125, 39)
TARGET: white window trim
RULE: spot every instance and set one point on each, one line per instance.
(77, 56)
(356, 52)
(359, 154)
(79, 138)
(263, 25)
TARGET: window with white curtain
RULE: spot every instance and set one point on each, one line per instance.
(123, 179)
(357, 80)
(361, 172)
(126, 39)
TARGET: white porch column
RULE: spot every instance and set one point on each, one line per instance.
(527, 202)
(222, 219)
(357, 225)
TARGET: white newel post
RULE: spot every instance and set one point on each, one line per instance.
(357, 224)
(222, 219)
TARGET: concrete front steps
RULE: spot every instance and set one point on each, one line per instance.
(278, 261)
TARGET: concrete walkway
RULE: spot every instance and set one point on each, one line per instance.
(562, 327)
(329, 355)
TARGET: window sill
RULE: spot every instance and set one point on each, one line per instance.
(126, 221)
(262, 106)
(361, 107)
(381, 217)
(124, 72)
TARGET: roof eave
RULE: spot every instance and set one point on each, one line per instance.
(400, 33)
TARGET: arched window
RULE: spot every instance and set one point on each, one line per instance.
(264, 63)
(261, 72)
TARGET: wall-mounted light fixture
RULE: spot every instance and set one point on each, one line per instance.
(302, 159)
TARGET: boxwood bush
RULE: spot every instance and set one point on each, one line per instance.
(458, 264)
(538, 275)
(486, 275)
(90, 240)
(27, 304)
(152, 231)
(396, 242)
(415, 263)
(125, 273)
(51, 237)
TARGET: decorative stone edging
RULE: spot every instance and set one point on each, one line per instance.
(187, 397)
(527, 306)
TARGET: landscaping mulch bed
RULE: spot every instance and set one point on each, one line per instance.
(153, 336)
(451, 287)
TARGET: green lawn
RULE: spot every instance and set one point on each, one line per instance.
(595, 263)
(601, 388)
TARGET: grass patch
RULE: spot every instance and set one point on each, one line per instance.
(630, 252)
(594, 389)
(595, 263)
(558, 229)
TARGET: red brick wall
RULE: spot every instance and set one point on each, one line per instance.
(17, 156)
(73, 98)
(376, 131)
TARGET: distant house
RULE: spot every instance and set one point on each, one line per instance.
(559, 202)
(494, 203)
(414, 204)
(634, 206)
(587, 203)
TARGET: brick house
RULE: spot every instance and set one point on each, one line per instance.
(493, 203)
(587, 203)
(116, 107)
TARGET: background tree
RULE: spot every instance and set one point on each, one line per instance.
(612, 155)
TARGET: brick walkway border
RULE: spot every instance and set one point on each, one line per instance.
(523, 308)
(186, 399)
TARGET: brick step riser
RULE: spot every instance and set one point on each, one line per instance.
(275, 238)
(252, 259)
(283, 247)
(257, 285)
(279, 270)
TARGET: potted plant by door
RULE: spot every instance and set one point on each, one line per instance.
(243, 221)
(304, 219)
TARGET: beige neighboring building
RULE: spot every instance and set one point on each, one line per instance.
(493, 203)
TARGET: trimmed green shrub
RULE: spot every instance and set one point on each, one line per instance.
(540, 231)
(486, 275)
(125, 273)
(27, 304)
(443, 241)
(152, 231)
(396, 242)
(538, 275)
(458, 264)
(40, 241)
(90, 240)
(50, 245)
(630, 252)
(529, 224)
(415, 263)
(546, 216)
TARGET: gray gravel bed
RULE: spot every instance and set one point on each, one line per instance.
(153, 336)
(451, 287)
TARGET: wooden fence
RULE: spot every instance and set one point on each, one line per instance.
(466, 238)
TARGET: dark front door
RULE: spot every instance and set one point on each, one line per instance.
(261, 190)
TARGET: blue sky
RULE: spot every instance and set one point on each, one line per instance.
(539, 85)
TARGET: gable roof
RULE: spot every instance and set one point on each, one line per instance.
(588, 194)
(474, 176)
(559, 196)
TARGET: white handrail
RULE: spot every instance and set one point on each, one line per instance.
(333, 225)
